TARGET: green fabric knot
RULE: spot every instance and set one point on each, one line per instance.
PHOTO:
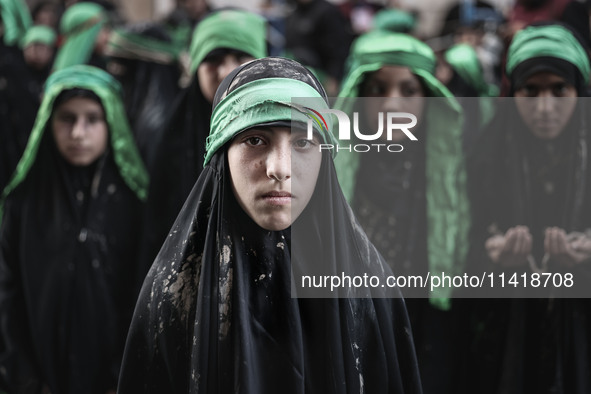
(80, 25)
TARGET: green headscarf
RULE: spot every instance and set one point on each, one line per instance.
(232, 29)
(394, 20)
(126, 45)
(125, 153)
(464, 60)
(448, 217)
(80, 26)
(264, 101)
(39, 34)
(553, 41)
(16, 20)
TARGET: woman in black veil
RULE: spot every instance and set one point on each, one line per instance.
(216, 313)
(531, 208)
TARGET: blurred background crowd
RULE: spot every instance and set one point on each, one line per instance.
(156, 65)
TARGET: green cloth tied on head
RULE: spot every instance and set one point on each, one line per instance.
(378, 48)
(552, 41)
(464, 60)
(264, 101)
(125, 153)
(80, 27)
(126, 45)
(16, 20)
(39, 35)
(394, 20)
(231, 29)
(448, 212)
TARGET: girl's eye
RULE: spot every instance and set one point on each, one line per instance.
(374, 89)
(560, 90)
(410, 92)
(69, 119)
(254, 141)
(94, 119)
(303, 143)
(530, 91)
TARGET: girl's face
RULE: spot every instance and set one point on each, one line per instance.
(212, 71)
(546, 102)
(38, 55)
(395, 89)
(274, 173)
(80, 130)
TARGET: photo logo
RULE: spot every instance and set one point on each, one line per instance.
(344, 129)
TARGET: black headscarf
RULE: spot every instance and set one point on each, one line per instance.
(216, 314)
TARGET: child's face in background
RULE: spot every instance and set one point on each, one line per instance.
(80, 130)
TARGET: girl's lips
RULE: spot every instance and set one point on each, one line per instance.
(277, 198)
(76, 149)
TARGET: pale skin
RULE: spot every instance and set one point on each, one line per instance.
(274, 173)
(80, 131)
(546, 118)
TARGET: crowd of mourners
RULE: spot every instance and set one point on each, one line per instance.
(160, 190)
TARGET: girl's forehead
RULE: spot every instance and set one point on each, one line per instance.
(78, 102)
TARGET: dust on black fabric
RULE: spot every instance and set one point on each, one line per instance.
(215, 314)
(271, 67)
(68, 275)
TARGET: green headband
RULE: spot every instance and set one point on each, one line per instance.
(80, 26)
(553, 41)
(394, 20)
(232, 29)
(464, 60)
(16, 19)
(39, 34)
(127, 45)
(376, 49)
(260, 102)
(124, 150)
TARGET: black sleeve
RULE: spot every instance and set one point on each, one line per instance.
(18, 370)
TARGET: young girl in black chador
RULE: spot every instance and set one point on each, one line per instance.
(216, 313)
(532, 213)
(69, 241)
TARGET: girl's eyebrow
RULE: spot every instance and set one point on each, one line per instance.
(64, 112)
(259, 130)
